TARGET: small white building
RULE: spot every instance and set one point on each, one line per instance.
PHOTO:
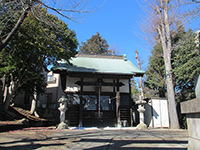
(156, 114)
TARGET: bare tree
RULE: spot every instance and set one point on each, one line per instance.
(165, 36)
(191, 12)
(139, 65)
(13, 13)
(160, 25)
(115, 50)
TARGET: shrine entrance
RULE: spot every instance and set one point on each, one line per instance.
(98, 108)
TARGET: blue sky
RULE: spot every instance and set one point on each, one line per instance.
(117, 22)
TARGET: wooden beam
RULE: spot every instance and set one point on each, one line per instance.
(97, 75)
(99, 82)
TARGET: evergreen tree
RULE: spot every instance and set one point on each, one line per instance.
(155, 74)
(95, 45)
(30, 51)
(185, 66)
(134, 90)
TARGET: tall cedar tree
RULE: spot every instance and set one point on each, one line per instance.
(155, 73)
(95, 45)
(186, 65)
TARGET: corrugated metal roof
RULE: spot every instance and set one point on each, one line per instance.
(99, 64)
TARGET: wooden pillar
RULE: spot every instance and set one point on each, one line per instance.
(117, 108)
(114, 88)
(98, 101)
(117, 105)
(130, 102)
(63, 77)
(81, 103)
(130, 98)
(114, 95)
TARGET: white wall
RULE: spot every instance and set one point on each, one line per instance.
(71, 80)
(56, 77)
(159, 109)
(125, 88)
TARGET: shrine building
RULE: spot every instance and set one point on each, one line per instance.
(99, 87)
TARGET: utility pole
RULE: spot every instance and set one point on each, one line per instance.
(139, 65)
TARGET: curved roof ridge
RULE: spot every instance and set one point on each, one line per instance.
(101, 56)
(100, 64)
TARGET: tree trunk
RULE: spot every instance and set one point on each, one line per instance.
(5, 99)
(139, 65)
(164, 32)
(170, 87)
(34, 105)
(3, 88)
(8, 94)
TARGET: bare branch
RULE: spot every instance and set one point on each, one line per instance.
(14, 29)
(13, 8)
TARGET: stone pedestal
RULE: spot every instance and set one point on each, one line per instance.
(62, 125)
(141, 111)
(192, 110)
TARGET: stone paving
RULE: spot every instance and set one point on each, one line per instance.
(99, 140)
(125, 139)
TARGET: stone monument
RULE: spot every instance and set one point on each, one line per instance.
(141, 110)
(192, 110)
(63, 107)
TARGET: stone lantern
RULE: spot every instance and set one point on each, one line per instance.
(141, 111)
(63, 107)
